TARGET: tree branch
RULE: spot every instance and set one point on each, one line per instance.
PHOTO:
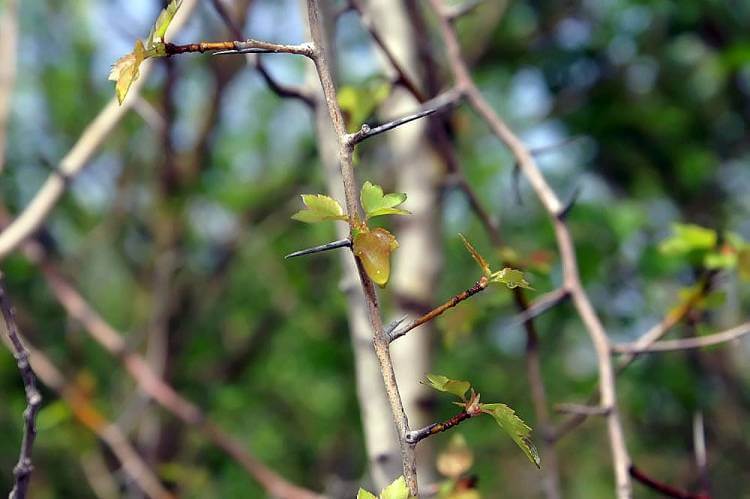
(8, 48)
(346, 146)
(685, 343)
(663, 488)
(22, 470)
(478, 286)
(413, 437)
(553, 206)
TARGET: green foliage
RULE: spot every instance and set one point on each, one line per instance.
(376, 204)
(514, 426)
(505, 417)
(512, 278)
(126, 70)
(688, 238)
(702, 246)
(445, 384)
(318, 208)
(359, 102)
(396, 490)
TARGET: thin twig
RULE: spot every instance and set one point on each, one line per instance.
(249, 46)
(22, 470)
(699, 449)
(346, 148)
(686, 343)
(415, 436)
(440, 103)
(37, 211)
(539, 306)
(587, 410)
(478, 286)
(663, 488)
(551, 203)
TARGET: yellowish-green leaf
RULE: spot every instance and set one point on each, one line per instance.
(156, 36)
(456, 459)
(445, 384)
(743, 263)
(375, 203)
(319, 208)
(512, 278)
(687, 238)
(725, 259)
(126, 70)
(363, 494)
(396, 490)
(477, 257)
(358, 103)
(514, 426)
(374, 248)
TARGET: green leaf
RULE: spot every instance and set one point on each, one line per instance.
(397, 490)
(374, 248)
(359, 103)
(720, 260)
(688, 238)
(512, 278)
(363, 494)
(319, 208)
(375, 203)
(477, 257)
(126, 70)
(515, 427)
(743, 263)
(445, 384)
(156, 36)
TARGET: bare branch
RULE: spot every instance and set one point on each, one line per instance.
(249, 46)
(440, 103)
(663, 488)
(36, 212)
(478, 286)
(685, 343)
(413, 437)
(586, 410)
(552, 205)
(539, 306)
(22, 470)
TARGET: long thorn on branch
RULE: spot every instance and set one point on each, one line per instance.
(22, 470)
(539, 306)
(341, 243)
(440, 103)
(480, 285)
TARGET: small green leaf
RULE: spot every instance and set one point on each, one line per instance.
(720, 260)
(156, 36)
(397, 490)
(359, 103)
(515, 427)
(126, 70)
(319, 208)
(445, 384)
(374, 248)
(688, 238)
(375, 203)
(477, 257)
(363, 494)
(512, 278)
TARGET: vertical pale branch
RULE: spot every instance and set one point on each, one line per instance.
(553, 206)
(22, 471)
(346, 146)
(8, 47)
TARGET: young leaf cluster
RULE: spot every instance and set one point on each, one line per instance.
(372, 246)
(396, 490)
(504, 416)
(511, 278)
(703, 246)
(127, 68)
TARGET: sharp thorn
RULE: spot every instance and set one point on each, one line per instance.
(341, 243)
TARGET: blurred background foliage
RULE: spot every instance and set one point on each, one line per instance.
(184, 230)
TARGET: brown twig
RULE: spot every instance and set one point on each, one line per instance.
(685, 343)
(663, 488)
(22, 470)
(478, 286)
(415, 436)
(553, 206)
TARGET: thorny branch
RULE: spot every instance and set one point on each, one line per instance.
(22, 470)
